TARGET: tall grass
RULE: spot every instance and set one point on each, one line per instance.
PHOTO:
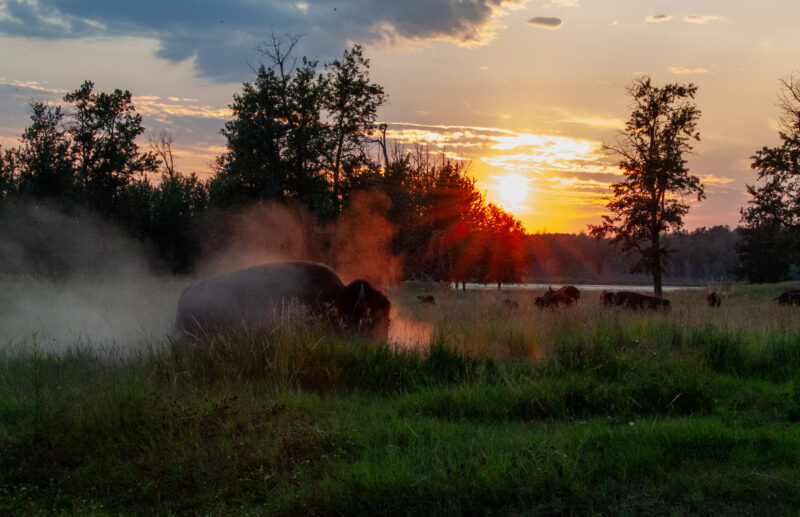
(583, 410)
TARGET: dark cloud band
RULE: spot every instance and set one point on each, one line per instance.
(221, 34)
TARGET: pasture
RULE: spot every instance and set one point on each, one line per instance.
(477, 407)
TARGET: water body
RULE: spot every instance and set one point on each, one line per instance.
(582, 287)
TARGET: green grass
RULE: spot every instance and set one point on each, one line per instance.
(579, 411)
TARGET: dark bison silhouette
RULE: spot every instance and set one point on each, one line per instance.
(248, 297)
(634, 301)
(789, 297)
(566, 295)
(713, 299)
(427, 298)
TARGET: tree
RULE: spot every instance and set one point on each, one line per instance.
(8, 173)
(276, 140)
(103, 128)
(771, 221)
(44, 163)
(649, 201)
(352, 104)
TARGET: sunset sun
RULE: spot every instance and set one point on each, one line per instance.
(512, 190)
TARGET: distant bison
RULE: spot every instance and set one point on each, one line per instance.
(566, 295)
(634, 301)
(248, 297)
(789, 298)
(427, 299)
(510, 304)
(713, 299)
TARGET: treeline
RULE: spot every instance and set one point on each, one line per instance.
(703, 255)
(300, 135)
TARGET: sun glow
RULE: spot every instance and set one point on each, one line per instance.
(512, 190)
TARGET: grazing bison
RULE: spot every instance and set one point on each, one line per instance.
(634, 301)
(427, 298)
(552, 298)
(248, 296)
(571, 291)
(713, 299)
(510, 304)
(789, 297)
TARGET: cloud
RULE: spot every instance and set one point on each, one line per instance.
(658, 18)
(565, 3)
(679, 70)
(544, 22)
(32, 85)
(702, 19)
(220, 35)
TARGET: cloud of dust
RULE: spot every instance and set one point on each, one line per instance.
(361, 242)
(264, 232)
(73, 280)
(356, 245)
(407, 333)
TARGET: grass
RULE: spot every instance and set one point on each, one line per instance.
(536, 412)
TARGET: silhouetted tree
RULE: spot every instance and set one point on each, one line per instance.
(648, 202)
(770, 231)
(8, 173)
(352, 104)
(276, 140)
(103, 128)
(43, 161)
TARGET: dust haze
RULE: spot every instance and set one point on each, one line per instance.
(73, 280)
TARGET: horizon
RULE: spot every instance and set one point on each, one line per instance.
(527, 91)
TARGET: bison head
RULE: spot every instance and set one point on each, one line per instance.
(362, 304)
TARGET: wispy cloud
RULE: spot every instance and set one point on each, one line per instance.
(679, 70)
(710, 179)
(701, 18)
(658, 18)
(32, 85)
(175, 107)
(545, 22)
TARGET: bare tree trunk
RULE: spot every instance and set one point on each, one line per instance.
(656, 266)
(336, 205)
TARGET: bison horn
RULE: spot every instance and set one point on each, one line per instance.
(361, 295)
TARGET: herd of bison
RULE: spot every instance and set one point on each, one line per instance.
(569, 295)
(249, 296)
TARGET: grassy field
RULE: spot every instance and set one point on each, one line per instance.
(581, 411)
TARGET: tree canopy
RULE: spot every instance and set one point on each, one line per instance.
(770, 230)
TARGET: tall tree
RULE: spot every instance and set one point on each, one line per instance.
(276, 140)
(649, 201)
(103, 128)
(771, 221)
(352, 104)
(44, 163)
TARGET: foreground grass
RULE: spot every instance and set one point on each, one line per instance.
(533, 412)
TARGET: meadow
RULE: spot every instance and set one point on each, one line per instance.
(474, 409)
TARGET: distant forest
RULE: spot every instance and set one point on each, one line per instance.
(304, 142)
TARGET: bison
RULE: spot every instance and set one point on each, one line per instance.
(564, 296)
(249, 296)
(426, 299)
(634, 301)
(713, 299)
(789, 297)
